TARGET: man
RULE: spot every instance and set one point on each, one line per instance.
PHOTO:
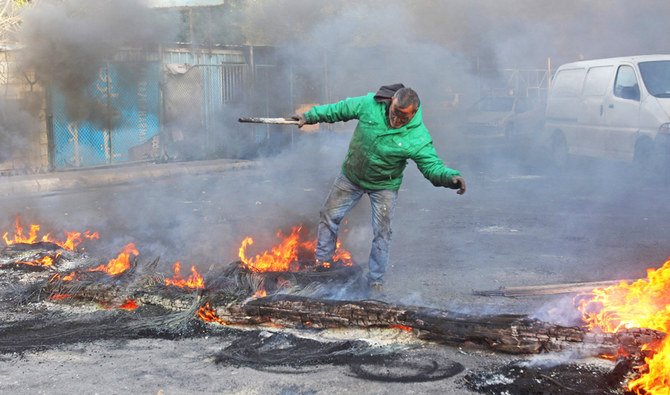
(390, 130)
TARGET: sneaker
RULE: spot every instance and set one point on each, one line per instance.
(376, 289)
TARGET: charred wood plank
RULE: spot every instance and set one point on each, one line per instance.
(144, 291)
(516, 334)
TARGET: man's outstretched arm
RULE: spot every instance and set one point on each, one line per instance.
(344, 110)
(432, 167)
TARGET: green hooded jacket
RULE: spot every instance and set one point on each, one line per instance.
(377, 153)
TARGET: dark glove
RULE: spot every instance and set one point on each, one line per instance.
(457, 182)
(300, 118)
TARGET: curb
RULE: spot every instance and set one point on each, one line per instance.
(90, 178)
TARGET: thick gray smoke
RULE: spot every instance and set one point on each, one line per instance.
(504, 33)
(440, 47)
(343, 48)
(16, 129)
(66, 43)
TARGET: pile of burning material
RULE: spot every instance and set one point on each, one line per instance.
(31, 252)
(125, 297)
(644, 303)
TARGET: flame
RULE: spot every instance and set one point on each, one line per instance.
(207, 314)
(69, 277)
(72, 239)
(120, 264)
(60, 296)
(644, 303)
(194, 281)
(261, 293)
(129, 304)
(284, 256)
(46, 260)
(402, 327)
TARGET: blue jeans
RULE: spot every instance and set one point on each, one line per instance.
(343, 197)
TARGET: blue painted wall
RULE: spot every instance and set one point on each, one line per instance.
(132, 94)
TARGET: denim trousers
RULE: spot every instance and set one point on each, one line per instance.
(343, 196)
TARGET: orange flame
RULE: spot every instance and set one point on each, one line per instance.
(121, 263)
(194, 281)
(284, 256)
(402, 327)
(72, 239)
(261, 293)
(70, 276)
(129, 304)
(644, 303)
(207, 314)
(46, 260)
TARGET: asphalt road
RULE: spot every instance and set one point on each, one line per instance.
(516, 225)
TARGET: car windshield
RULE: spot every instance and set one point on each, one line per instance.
(656, 77)
(497, 104)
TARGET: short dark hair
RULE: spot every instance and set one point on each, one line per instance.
(407, 97)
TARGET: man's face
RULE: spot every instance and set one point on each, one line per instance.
(399, 117)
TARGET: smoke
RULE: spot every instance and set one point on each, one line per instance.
(16, 129)
(67, 42)
(346, 48)
(502, 33)
(561, 311)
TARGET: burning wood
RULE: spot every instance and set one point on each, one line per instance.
(643, 303)
(514, 334)
(73, 239)
(236, 294)
(288, 254)
(30, 256)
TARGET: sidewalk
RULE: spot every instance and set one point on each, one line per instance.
(113, 175)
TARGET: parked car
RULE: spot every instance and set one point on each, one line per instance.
(507, 120)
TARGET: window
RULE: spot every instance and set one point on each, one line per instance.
(597, 80)
(625, 85)
(656, 77)
(568, 83)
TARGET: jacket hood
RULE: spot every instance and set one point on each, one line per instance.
(386, 92)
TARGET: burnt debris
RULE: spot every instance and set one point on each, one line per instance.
(73, 298)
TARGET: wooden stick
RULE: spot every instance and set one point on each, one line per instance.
(550, 289)
(272, 121)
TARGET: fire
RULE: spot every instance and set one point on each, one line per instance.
(129, 304)
(121, 263)
(207, 314)
(644, 303)
(261, 293)
(285, 256)
(69, 277)
(46, 260)
(403, 327)
(194, 281)
(72, 239)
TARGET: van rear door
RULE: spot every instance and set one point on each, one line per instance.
(593, 130)
(563, 104)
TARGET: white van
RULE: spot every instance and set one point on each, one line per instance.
(617, 108)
